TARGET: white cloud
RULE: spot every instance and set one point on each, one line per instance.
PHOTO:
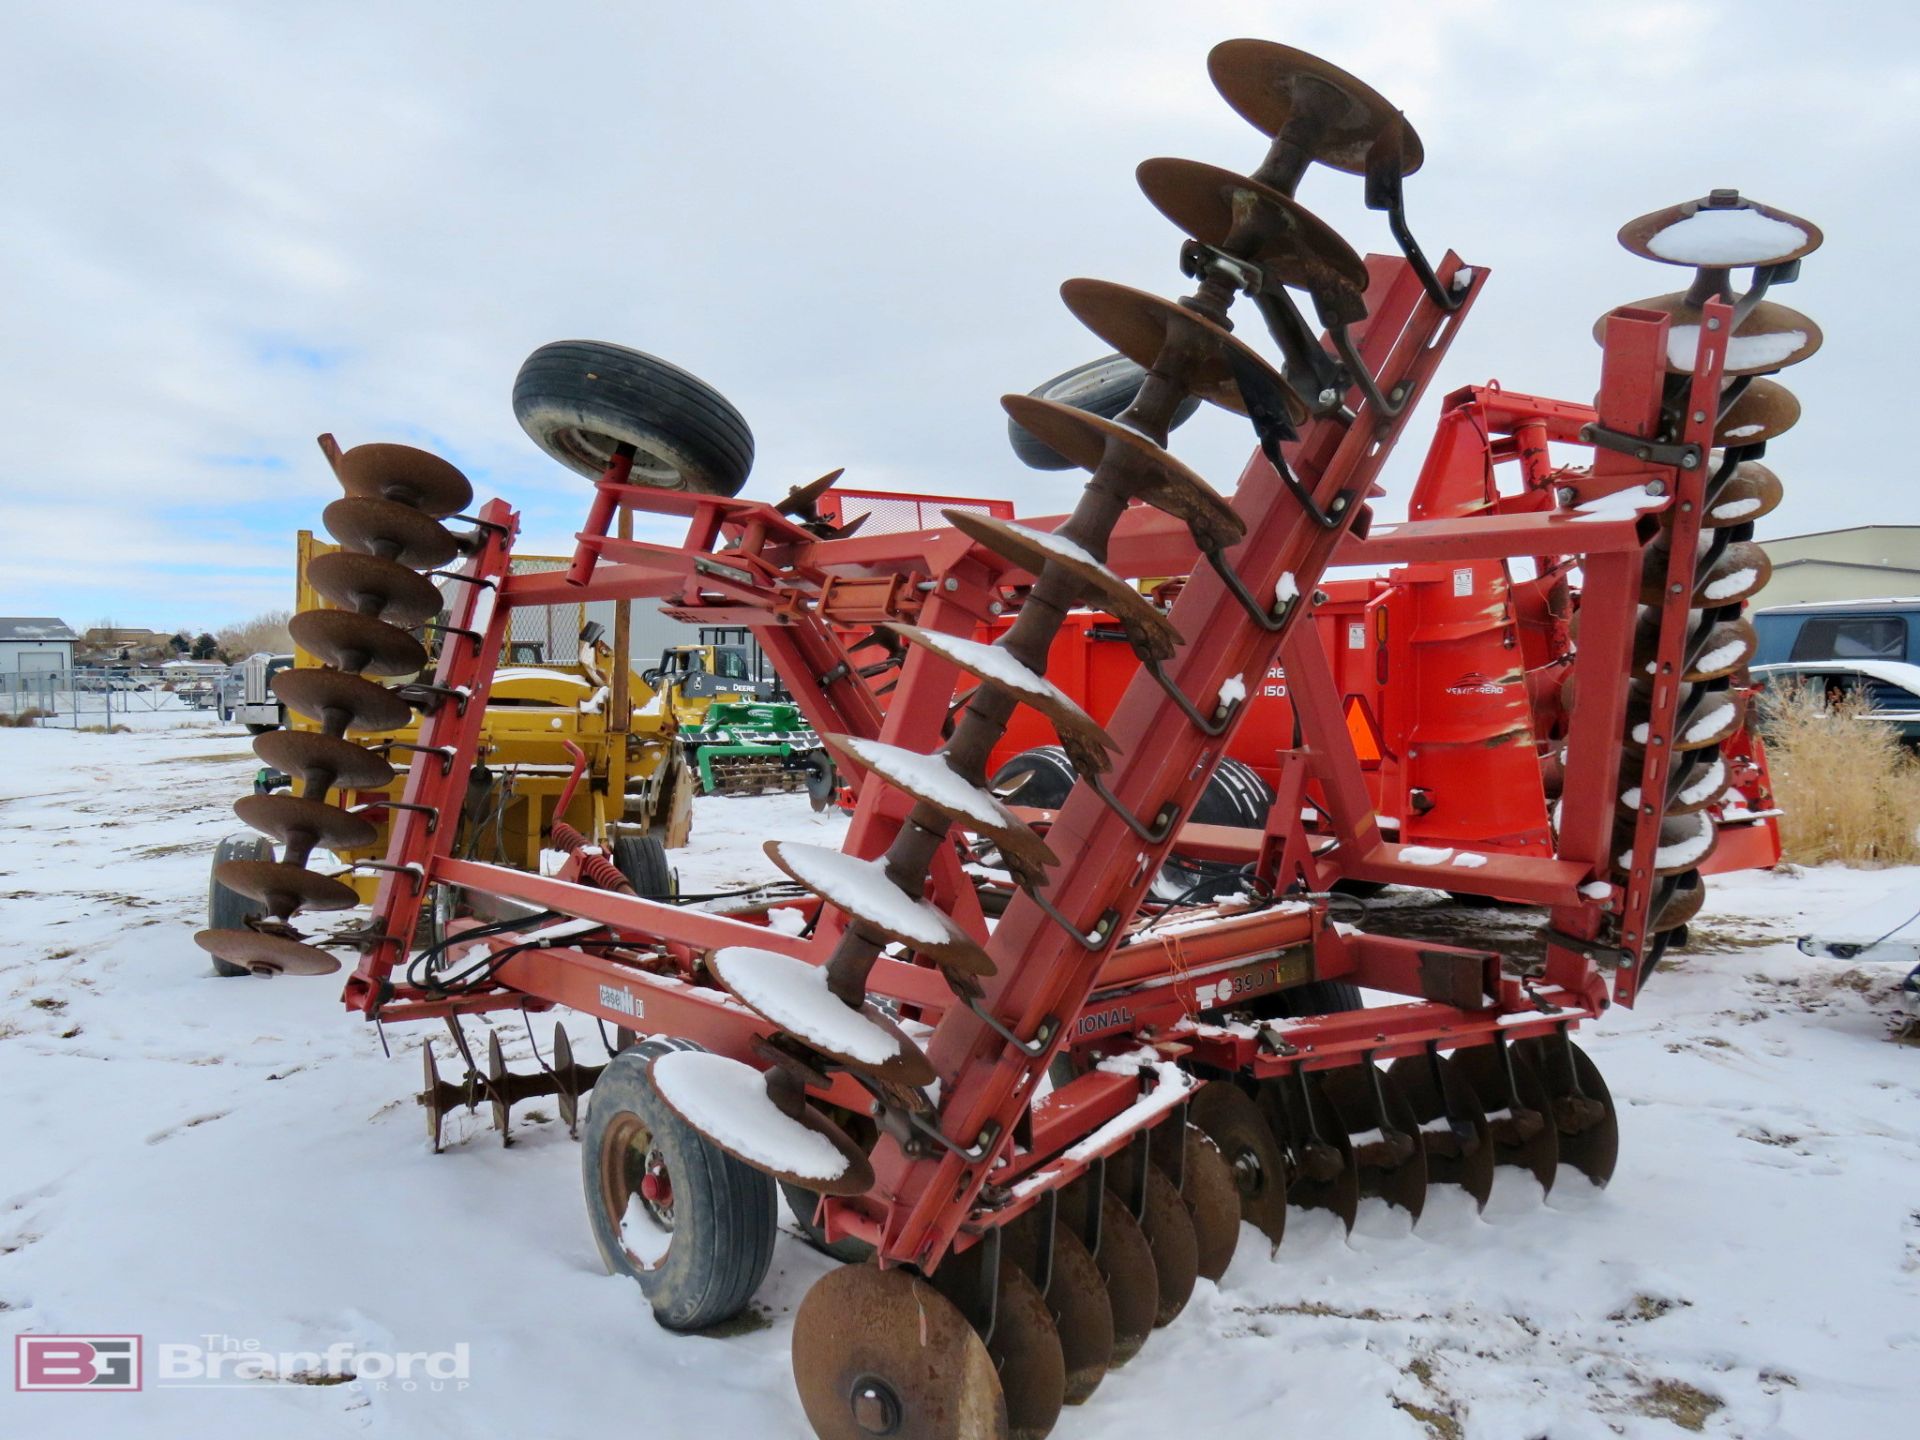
(228, 227)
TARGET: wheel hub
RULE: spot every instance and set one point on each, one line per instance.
(876, 1408)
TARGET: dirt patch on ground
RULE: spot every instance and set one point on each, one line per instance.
(1675, 1400)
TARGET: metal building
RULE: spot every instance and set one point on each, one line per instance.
(1866, 562)
(34, 645)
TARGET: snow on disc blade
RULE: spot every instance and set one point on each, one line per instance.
(928, 775)
(727, 1101)
(1762, 351)
(862, 886)
(997, 665)
(793, 994)
(1726, 237)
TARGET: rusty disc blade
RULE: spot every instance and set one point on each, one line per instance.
(1720, 231)
(1676, 901)
(266, 954)
(931, 781)
(1742, 570)
(1771, 337)
(1082, 1314)
(429, 1096)
(390, 530)
(284, 889)
(1727, 646)
(1208, 1191)
(1160, 334)
(1739, 570)
(1384, 1134)
(406, 476)
(357, 643)
(863, 890)
(497, 1088)
(323, 762)
(339, 701)
(294, 820)
(1316, 1179)
(1086, 744)
(1255, 222)
(792, 994)
(726, 1100)
(1341, 117)
(384, 589)
(566, 1099)
(1583, 1108)
(1032, 550)
(1026, 1350)
(1453, 1128)
(1518, 1118)
(881, 1352)
(1697, 779)
(1712, 719)
(1126, 1264)
(1684, 842)
(1766, 408)
(1750, 493)
(803, 500)
(1228, 1116)
(1140, 468)
(1176, 1249)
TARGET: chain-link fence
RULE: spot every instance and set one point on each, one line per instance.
(83, 697)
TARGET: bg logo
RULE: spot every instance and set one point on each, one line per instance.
(76, 1362)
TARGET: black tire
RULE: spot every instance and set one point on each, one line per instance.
(1050, 777)
(823, 780)
(1317, 997)
(253, 729)
(719, 1221)
(1102, 387)
(1235, 795)
(643, 860)
(228, 909)
(580, 399)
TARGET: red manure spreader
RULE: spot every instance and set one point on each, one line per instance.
(1022, 1086)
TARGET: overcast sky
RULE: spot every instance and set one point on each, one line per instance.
(228, 227)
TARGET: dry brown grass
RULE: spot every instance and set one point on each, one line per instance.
(1850, 791)
(262, 634)
(21, 719)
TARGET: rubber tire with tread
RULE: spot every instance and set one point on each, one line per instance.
(1318, 997)
(1235, 795)
(724, 1216)
(229, 909)
(579, 399)
(643, 860)
(1102, 387)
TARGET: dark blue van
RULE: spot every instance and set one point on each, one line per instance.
(1887, 630)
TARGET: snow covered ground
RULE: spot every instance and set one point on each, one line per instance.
(184, 1157)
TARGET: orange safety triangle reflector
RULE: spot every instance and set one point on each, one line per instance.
(1363, 732)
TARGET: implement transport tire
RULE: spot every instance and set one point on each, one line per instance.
(229, 909)
(643, 860)
(671, 1210)
(1102, 387)
(582, 399)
